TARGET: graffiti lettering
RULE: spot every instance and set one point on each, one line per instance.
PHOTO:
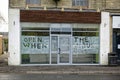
(85, 44)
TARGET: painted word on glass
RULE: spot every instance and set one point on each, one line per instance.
(85, 45)
(34, 44)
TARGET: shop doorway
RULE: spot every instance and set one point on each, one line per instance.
(116, 42)
(60, 49)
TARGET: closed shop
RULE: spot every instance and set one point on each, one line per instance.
(58, 37)
(49, 38)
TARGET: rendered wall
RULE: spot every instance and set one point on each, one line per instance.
(14, 37)
(104, 38)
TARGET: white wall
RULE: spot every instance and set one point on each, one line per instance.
(14, 37)
(104, 38)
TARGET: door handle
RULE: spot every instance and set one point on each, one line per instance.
(59, 50)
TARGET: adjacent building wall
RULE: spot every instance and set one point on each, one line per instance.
(14, 37)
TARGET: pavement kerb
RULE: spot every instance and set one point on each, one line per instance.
(70, 72)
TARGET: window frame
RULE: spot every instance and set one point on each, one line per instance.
(84, 3)
(33, 2)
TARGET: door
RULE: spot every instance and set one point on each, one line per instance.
(60, 49)
(116, 43)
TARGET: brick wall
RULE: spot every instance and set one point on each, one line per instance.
(59, 17)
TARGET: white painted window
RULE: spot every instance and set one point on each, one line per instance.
(80, 2)
(33, 1)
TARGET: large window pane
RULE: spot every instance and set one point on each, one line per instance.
(35, 58)
(35, 46)
(85, 58)
(85, 45)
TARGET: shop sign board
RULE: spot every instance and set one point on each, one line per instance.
(116, 22)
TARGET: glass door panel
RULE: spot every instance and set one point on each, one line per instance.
(60, 49)
(54, 49)
(64, 49)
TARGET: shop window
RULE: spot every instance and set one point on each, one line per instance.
(80, 2)
(85, 45)
(35, 45)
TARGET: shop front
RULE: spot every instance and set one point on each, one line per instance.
(57, 38)
(60, 43)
